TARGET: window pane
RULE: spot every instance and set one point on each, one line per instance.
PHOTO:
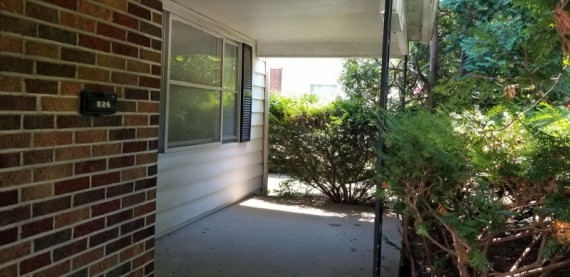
(230, 117)
(193, 116)
(230, 67)
(196, 56)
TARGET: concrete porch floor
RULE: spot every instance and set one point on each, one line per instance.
(268, 236)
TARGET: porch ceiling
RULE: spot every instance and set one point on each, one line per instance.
(320, 28)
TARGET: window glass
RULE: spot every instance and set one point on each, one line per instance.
(196, 56)
(193, 116)
(230, 66)
(230, 117)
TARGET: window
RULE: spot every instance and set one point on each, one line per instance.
(204, 87)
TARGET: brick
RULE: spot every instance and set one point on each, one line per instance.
(119, 189)
(52, 139)
(150, 29)
(88, 257)
(103, 237)
(10, 44)
(71, 5)
(78, 56)
(119, 270)
(70, 88)
(42, 13)
(149, 82)
(72, 153)
(111, 31)
(41, 86)
(132, 226)
(136, 38)
(135, 146)
(145, 184)
(69, 250)
(51, 206)
(90, 166)
(71, 217)
(11, 270)
(155, 95)
(153, 4)
(72, 185)
(140, 261)
(124, 78)
(156, 70)
(131, 252)
(73, 121)
(150, 56)
(144, 209)
(88, 227)
(147, 158)
(57, 70)
(157, 17)
(106, 179)
(94, 43)
(11, 235)
(38, 156)
(105, 208)
(14, 215)
(144, 133)
(95, 10)
(124, 49)
(139, 11)
(77, 22)
(123, 161)
(151, 170)
(37, 192)
(8, 198)
(119, 217)
(111, 61)
(117, 4)
(136, 94)
(151, 194)
(136, 120)
(19, 65)
(148, 107)
(133, 173)
(12, 6)
(14, 252)
(149, 244)
(88, 197)
(56, 270)
(10, 84)
(34, 263)
(154, 120)
(149, 268)
(18, 26)
(90, 136)
(108, 121)
(34, 48)
(103, 265)
(59, 104)
(132, 200)
(9, 160)
(152, 144)
(106, 149)
(57, 34)
(52, 239)
(39, 122)
(53, 172)
(125, 20)
(37, 227)
(93, 74)
(122, 134)
(127, 106)
(81, 273)
(137, 66)
(14, 178)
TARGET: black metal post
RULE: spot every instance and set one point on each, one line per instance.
(379, 209)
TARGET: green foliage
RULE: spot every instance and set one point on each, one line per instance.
(329, 148)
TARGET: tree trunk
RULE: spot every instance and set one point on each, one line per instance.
(462, 257)
(433, 64)
(462, 60)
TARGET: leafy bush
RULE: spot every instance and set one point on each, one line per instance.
(329, 148)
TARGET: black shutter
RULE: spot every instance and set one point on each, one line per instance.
(247, 76)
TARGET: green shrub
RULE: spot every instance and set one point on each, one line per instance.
(329, 148)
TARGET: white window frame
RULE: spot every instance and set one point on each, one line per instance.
(165, 96)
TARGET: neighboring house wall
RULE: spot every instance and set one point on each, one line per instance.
(77, 193)
(197, 182)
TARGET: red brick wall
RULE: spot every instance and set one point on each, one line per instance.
(77, 193)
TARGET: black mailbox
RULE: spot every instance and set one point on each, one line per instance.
(98, 103)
